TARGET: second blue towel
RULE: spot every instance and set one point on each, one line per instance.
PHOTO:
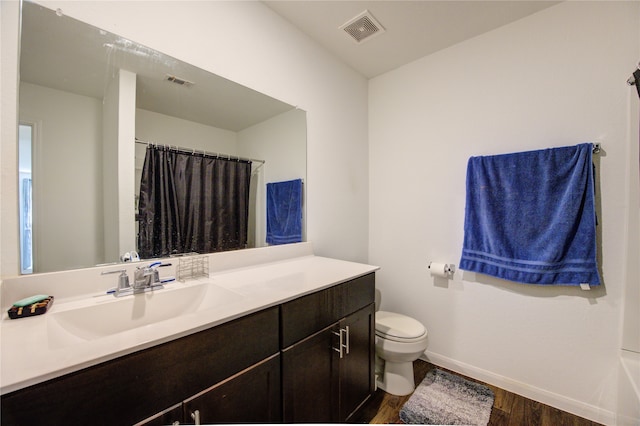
(284, 212)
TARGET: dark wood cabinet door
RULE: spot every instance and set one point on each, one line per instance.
(309, 379)
(251, 396)
(357, 367)
(170, 416)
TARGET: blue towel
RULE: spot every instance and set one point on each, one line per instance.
(284, 212)
(530, 217)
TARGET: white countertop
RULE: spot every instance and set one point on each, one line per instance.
(36, 349)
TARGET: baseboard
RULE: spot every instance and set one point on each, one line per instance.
(560, 402)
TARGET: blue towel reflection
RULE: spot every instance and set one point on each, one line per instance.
(530, 217)
(284, 212)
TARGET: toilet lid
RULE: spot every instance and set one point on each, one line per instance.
(398, 325)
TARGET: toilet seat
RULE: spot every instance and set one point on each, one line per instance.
(398, 327)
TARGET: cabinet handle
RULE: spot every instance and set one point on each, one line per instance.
(347, 339)
(343, 346)
(340, 344)
(196, 416)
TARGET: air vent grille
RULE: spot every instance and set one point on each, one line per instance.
(363, 27)
(180, 81)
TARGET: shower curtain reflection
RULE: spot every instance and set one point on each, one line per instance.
(192, 202)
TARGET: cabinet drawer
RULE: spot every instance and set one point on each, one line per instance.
(308, 314)
(357, 294)
(134, 387)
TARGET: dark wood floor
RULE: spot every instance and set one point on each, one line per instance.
(508, 409)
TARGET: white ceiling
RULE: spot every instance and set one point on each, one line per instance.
(413, 29)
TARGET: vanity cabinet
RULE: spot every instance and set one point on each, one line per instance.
(131, 388)
(285, 363)
(328, 352)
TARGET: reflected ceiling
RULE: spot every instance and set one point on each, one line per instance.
(79, 58)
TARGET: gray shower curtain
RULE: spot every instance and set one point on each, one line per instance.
(192, 203)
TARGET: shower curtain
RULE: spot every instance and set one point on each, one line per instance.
(192, 203)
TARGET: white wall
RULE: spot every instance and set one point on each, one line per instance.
(9, 223)
(67, 131)
(552, 79)
(110, 196)
(163, 129)
(277, 141)
(273, 57)
(126, 162)
(118, 165)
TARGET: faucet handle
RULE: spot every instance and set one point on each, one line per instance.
(123, 278)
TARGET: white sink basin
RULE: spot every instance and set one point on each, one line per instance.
(113, 316)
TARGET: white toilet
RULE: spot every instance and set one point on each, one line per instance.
(400, 340)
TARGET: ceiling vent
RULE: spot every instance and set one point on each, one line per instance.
(363, 27)
(179, 81)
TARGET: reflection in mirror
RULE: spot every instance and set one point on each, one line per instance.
(86, 96)
(25, 142)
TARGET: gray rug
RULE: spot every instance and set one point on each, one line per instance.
(446, 399)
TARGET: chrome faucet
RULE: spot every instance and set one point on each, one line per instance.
(146, 278)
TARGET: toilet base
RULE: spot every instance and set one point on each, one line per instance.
(397, 378)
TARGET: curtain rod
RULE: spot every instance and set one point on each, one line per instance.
(199, 151)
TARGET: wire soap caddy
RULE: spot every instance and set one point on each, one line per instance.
(190, 267)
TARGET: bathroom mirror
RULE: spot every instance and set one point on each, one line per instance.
(78, 188)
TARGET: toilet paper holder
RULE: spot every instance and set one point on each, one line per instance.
(447, 268)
